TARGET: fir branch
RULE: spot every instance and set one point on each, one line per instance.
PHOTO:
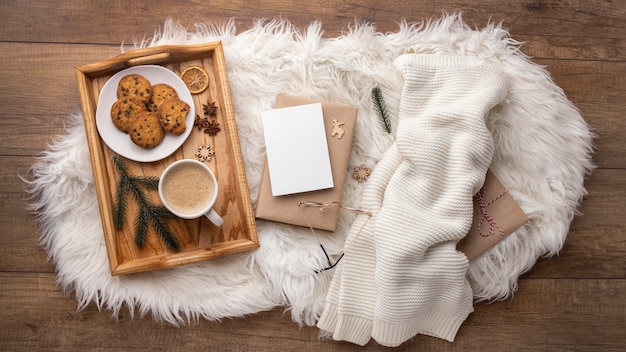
(161, 211)
(141, 227)
(381, 108)
(138, 194)
(121, 190)
(120, 166)
(120, 205)
(161, 227)
(148, 213)
(148, 182)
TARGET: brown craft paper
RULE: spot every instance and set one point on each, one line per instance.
(285, 208)
(505, 212)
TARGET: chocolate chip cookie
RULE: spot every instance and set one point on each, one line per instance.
(146, 131)
(124, 111)
(172, 113)
(160, 93)
(135, 85)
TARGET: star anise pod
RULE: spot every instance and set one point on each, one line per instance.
(209, 109)
(212, 128)
(199, 122)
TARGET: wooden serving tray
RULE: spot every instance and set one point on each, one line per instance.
(199, 239)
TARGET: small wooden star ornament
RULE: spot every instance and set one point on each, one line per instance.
(205, 152)
(361, 173)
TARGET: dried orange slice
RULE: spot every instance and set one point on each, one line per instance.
(196, 79)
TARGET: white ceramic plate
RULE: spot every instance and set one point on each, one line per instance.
(120, 141)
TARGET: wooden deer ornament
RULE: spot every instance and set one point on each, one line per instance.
(337, 130)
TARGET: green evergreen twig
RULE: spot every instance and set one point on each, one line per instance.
(148, 213)
(381, 108)
(119, 213)
(157, 213)
(141, 227)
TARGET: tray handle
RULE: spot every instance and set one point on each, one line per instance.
(149, 59)
(152, 55)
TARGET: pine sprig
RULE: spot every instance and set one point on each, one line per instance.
(120, 205)
(381, 108)
(148, 213)
(147, 182)
(156, 213)
(141, 227)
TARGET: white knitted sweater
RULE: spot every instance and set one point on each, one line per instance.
(401, 273)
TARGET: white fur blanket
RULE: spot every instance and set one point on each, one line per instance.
(543, 153)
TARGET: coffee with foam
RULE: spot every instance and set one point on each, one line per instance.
(188, 189)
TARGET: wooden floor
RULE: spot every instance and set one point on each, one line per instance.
(576, 302)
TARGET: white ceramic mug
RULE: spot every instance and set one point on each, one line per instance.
(188, 188)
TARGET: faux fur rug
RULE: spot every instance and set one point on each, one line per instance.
(543, 153)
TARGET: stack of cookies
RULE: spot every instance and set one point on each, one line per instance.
(148, 112)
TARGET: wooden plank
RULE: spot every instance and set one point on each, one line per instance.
(20, 250)
(544, 315)
(594, 29)
(19, 229)
(35, 112)
(598, 90)
(596, 244)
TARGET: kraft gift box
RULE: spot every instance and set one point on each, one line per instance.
(498, 217)
(339, 123)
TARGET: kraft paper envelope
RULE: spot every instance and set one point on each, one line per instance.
(504, 212)
(339, 121)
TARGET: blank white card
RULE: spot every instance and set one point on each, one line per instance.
(297, 149)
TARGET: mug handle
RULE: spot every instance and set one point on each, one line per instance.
(215, 218)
